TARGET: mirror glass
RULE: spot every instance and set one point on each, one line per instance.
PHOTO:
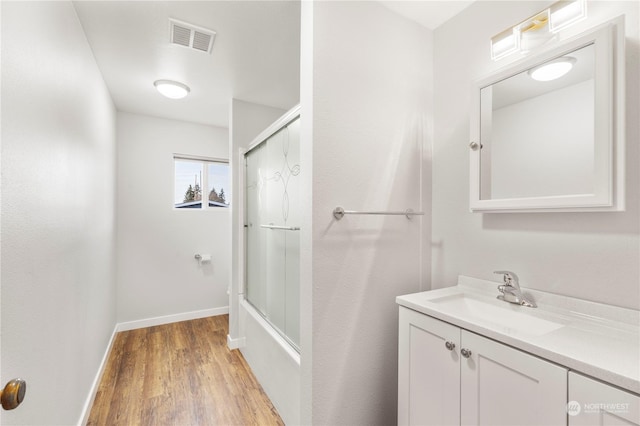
(537, 137)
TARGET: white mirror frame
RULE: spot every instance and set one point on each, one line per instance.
(609, 159)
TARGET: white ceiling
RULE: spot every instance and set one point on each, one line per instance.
(428, 13)
(255, 56)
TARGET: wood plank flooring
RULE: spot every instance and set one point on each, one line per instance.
(179, 374)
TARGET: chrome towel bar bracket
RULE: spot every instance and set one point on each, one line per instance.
(339, 213)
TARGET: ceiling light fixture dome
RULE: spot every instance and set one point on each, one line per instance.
(172, 89)
(552, 69)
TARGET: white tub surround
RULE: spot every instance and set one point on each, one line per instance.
(273, 361)
(595, 339)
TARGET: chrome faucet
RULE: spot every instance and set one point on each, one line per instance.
(511, 290)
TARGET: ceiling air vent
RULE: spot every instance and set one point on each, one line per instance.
(191, 36)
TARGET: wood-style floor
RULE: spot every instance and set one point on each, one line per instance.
(180, 374)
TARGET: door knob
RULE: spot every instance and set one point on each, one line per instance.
(13, 394)
(465, 352)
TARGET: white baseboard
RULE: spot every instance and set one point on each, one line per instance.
(168, 319)
(240, 342)
(86, 410)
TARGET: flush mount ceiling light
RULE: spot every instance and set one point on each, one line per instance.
(172, 89)
(553, 69)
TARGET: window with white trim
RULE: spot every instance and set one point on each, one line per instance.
(197, 178)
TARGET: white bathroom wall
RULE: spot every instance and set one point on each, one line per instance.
(247, 120)
(366, 91)
(593, 256)
(158, 275)
(58, 211)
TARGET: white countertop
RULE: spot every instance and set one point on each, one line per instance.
(598, 340)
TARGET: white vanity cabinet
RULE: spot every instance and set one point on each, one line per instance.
(428, 373)
(449, 376)
(592, 403)
(501, 385)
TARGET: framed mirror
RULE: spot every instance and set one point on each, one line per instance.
(547, 133)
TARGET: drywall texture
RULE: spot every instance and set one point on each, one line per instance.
(58, 211)
(594, 256)
(371, 82)
(246, 122)
(156, 243)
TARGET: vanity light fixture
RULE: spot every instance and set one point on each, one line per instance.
(538, 29)
(172, 89)
(535, 32)
(553, 69)
(505, 43)
(565, 13)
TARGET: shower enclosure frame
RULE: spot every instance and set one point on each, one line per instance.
(279, 125)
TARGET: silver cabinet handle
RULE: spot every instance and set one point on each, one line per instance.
(465, 352)
(473, 145)
(450, 345)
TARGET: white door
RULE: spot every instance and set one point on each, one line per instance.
(504, 386)
(595, 403)
(428, 371)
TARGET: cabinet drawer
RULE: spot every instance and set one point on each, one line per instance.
(596, 403)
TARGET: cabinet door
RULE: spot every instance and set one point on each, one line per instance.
(504, 386)
(428, 372)
(595, 403)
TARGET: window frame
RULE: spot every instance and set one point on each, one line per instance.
(204, 162)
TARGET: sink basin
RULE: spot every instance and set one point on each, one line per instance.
(511, 319)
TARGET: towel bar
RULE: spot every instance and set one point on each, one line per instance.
(339, 213)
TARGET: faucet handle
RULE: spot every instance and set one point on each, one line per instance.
(510, 278)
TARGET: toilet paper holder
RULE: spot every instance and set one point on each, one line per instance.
(202, 258)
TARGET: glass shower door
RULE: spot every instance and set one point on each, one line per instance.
(273, 230)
